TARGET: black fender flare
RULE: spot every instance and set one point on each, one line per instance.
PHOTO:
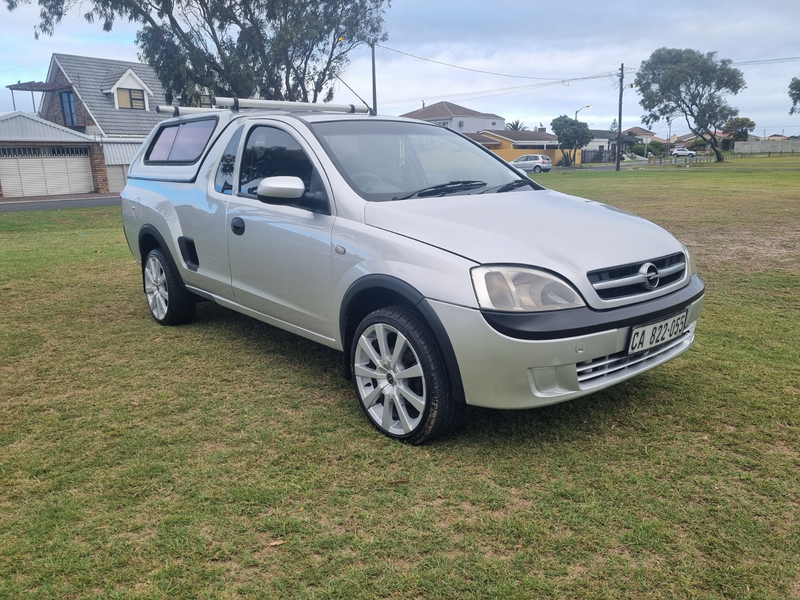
(400, 292)
(149, 230)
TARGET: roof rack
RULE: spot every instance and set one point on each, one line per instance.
(246, 103)
(177, 111)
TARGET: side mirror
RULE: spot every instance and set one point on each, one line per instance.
(281, 190)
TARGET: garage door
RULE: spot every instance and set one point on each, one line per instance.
(39, 173)
(117, 176)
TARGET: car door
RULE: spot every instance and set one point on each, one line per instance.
(204, 229)
(280, 255)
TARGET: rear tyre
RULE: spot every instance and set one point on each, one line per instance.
(170, 303)
(537, 169)
(400, 378)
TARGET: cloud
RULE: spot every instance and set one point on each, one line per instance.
(565, 42)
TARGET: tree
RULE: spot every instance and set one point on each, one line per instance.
(794, 95)
(274, 49)
(673, 82)
(516, 126)
(572, 136)
(739, 128)
(657, 148)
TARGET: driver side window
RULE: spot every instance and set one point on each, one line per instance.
(271, 152)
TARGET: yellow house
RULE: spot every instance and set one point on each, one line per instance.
(511, 144)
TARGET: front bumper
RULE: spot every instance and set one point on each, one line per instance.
(501, 371)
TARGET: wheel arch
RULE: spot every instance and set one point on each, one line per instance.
(378, 291)
(150, 239)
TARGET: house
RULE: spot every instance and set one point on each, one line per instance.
(646, 136)
(458, 118)
(603, 147)
(514, 144)
(111, 101)
(484, 140)
(725, 141)
(38, 158)
(682, 140)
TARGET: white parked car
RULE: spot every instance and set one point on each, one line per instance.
(682, 152)
(533, 163)
(444, 276)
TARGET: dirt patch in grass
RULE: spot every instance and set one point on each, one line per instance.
(752, 251)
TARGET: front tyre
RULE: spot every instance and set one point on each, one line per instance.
(170, 303)
(400, 378)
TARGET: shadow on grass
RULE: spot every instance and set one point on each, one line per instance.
(560, 423)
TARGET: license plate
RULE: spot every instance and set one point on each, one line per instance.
(654, 334)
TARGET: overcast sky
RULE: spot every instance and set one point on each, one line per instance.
(548, 47)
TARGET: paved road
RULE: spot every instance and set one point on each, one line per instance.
(58, 202)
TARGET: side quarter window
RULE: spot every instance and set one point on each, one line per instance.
(223, 183)
(271, 152)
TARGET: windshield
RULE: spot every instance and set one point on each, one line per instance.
(390, 160)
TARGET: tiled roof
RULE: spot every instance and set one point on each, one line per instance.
(612, 135)
(639, 131)
(90, 76)
(482, 139)
(111, 78)
(21, 127)
(447, 110)
(602, 133)
(522, 136)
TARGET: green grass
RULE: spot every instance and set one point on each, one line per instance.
(228, 459)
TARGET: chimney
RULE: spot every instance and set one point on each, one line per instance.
(542, 130)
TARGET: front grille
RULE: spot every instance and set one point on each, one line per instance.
(630, 280)
(616, 366)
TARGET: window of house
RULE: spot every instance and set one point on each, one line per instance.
(130, 98)
(181, 143)
(68, 109)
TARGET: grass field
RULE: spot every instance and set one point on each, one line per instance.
(227, 459)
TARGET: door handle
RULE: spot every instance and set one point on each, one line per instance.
(237, 225)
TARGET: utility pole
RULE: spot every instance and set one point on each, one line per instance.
(619, 121)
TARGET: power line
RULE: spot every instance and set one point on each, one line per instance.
(553, 79)
(767, 61)
(488, 93)
(764, 61)
(27, 65)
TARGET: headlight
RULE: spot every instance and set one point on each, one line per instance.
(521, 289)
(690, 262)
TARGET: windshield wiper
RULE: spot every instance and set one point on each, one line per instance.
(512, 186)
(444, 188)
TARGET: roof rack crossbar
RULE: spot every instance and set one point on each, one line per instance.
(237, 103)
(177, 111)
(244, 103)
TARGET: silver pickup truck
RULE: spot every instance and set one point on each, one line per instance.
(444, 275)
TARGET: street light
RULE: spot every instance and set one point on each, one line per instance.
(580, 109)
